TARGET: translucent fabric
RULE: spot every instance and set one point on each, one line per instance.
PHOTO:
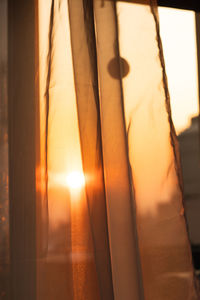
(120, 232)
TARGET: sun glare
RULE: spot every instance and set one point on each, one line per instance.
(75, 180)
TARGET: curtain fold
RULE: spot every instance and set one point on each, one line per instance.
(105, 114)
(87, 97)
(116, 166)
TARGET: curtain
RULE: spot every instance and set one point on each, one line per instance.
(111, 220)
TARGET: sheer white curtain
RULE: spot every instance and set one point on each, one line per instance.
(105, 113)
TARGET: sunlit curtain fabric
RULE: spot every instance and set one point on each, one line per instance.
(111, 219)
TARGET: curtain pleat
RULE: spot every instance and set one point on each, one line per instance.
(56, 240)
(123, 241)
(86, 85)
(105, 113)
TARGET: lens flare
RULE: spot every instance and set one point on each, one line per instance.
(75, 180)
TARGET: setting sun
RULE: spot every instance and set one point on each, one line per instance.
(75, 180)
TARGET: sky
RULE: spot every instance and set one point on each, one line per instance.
(177, 28)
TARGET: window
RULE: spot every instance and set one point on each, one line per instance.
(178, 32)
(51, 255)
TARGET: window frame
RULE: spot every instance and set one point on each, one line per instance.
(186, 4)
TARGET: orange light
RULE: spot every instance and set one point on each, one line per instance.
(75, 180)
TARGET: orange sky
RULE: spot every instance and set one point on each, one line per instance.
(178, 35)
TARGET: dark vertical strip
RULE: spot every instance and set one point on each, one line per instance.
(4, 197)
(91, 46)
(22, 147)
(48, 80)
(86, 85)
(49, 61)
(197, 19)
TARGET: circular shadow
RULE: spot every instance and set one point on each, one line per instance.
(114, 70)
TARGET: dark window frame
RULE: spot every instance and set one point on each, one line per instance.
(189, 4)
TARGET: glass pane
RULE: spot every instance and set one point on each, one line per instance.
(179, 44)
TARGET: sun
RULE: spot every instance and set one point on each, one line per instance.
(75, 180)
